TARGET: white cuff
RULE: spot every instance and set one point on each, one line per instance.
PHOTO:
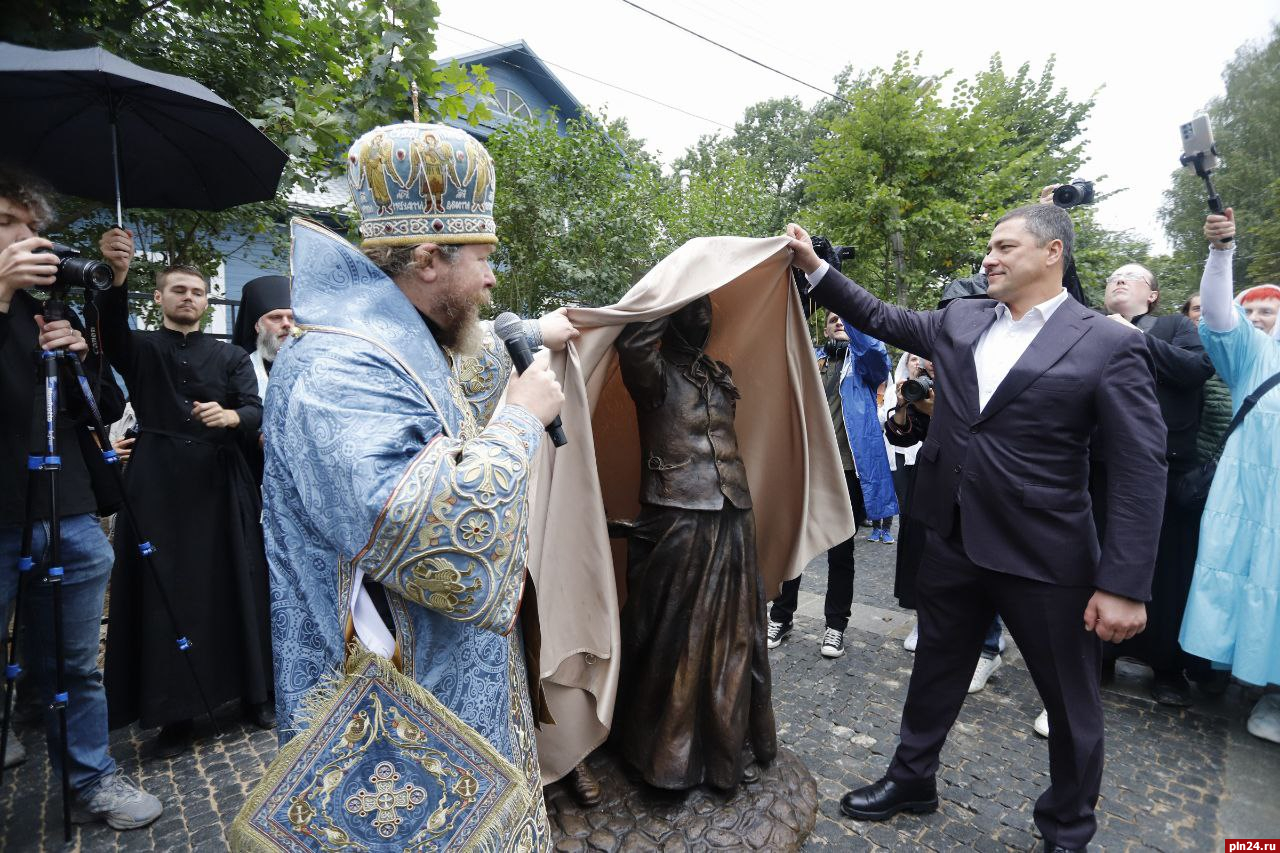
(816, 276)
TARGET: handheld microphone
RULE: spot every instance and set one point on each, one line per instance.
(510, 329)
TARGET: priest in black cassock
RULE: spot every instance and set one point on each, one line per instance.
(197, 401)
(263, 324)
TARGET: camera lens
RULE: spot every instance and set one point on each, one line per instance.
(82, 272)
(915, 390)
(1066, 196)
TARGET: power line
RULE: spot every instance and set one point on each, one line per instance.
(584, 76)
(736, 53)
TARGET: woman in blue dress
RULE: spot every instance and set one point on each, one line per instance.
(1233, 612)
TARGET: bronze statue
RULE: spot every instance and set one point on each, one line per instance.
(693, 698)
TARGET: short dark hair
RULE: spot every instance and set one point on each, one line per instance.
(395, 260)
(29, 191)
(184, 269)
(1155, 287)
(1046, 222)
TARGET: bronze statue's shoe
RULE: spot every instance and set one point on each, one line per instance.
(584, 786)
(751, 773)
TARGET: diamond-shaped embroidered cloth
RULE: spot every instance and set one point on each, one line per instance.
(385, 766)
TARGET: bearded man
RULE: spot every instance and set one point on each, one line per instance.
(395, 486)
(263, 324)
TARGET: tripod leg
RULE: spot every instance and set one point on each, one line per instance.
(26, 560)
(52, 467)
(145, 548)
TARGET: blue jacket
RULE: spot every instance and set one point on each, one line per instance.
(866, 366)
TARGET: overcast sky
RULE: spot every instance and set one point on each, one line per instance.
(1155, 65)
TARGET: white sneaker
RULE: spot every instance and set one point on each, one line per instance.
(985, 669)
(1041, 725)
(910, 642)
(832, 643)
(1264, 722)
(117, 801)
(777, 632)
(14, 752)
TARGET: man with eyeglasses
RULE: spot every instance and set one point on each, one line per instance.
(1182, 366)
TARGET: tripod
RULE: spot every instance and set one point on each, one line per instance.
(53, 365)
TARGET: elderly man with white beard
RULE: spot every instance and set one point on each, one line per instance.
(264, 323)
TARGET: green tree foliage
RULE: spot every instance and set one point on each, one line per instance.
(728, 196)
(312, 74)
(776, 137)
(899, 160)
(583, 215)
(1246, 123)
(576, 213)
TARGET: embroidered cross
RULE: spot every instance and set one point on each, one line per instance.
(385, 799)
(466, 787)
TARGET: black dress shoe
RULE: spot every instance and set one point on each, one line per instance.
(884, 799)
(173, 740)
(751, 773)
(1057, 848)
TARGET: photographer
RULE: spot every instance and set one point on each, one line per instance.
(852, 365)
(101, 792)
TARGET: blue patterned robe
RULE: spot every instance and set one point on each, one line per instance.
(376, 459)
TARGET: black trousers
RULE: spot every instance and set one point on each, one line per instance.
(956, 601)
(839, 599)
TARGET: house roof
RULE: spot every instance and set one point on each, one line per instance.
(520, 57)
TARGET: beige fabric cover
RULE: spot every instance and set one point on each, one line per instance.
(784, 434)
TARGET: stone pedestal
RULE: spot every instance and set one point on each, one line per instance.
(774, 814)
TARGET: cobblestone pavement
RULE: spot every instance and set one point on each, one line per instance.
(1174, 780)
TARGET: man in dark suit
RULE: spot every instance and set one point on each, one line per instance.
(1024, 380)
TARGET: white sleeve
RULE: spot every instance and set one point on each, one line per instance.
(816, 276)
(1217, 308)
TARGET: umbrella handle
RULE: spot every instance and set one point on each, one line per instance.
(115, 162)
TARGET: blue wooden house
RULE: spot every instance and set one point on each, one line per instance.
(524, 87)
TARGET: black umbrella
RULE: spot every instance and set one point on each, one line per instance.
(94, 125)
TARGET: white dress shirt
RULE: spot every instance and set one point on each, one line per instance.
(1004, 342)
(1001, 345)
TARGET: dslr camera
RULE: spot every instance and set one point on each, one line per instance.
(75, 271)
(1074, 194)
(833, 255)
(915, 390)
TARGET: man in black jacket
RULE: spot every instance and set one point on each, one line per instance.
(197, 403)
(100, 791)
(1182, 367)
(1024, 380)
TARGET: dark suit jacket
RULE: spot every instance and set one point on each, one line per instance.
(1182, 368)
(1019, 469)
